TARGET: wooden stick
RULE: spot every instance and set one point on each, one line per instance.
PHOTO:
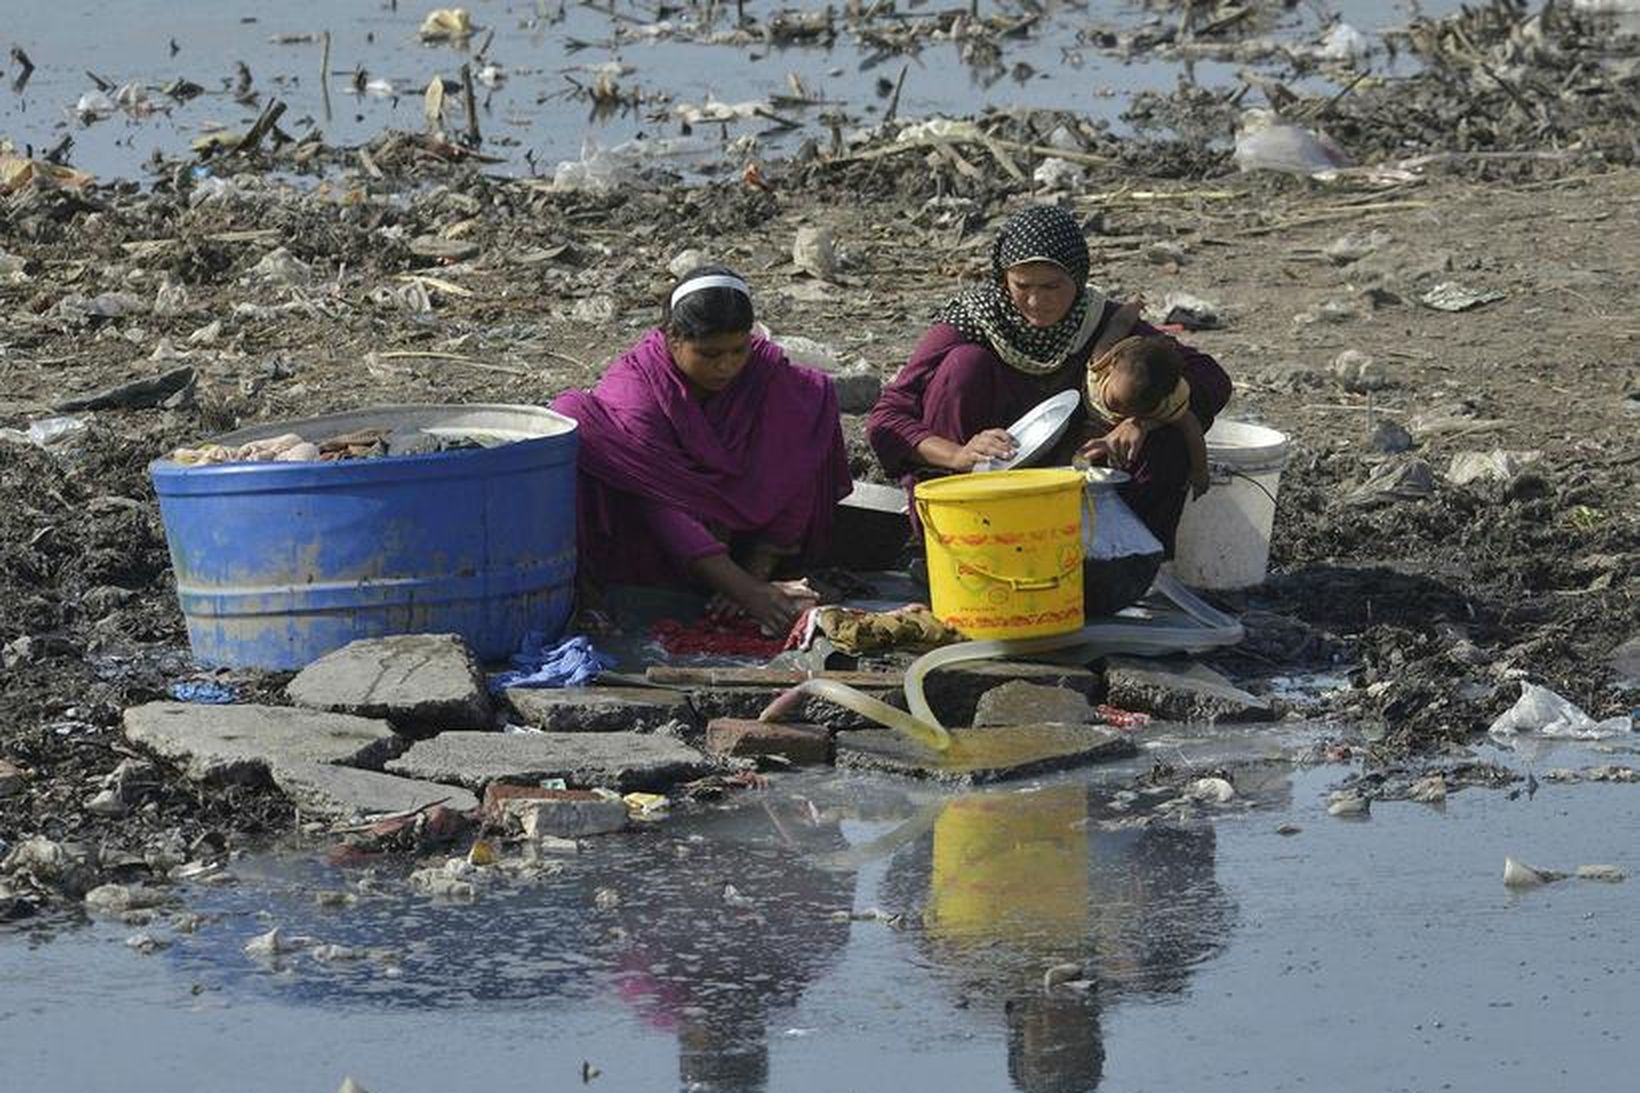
(894, 99)
(471, 102)
(324, 70)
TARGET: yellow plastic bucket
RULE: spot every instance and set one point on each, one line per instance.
(1005, 551)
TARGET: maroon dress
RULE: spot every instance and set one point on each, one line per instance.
(955, 388)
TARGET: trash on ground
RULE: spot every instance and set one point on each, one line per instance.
(1541, 712)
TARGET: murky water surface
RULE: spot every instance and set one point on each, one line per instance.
(865, 933)
(532, 110)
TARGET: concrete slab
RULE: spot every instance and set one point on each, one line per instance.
(598, 709)
(1020, 703)
(980, 756)
(423, 683)
(1180, 691)
(346, 793)
(802, 745)
(243, 743)
(617, 760)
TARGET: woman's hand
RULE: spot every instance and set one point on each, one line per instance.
(990, 444)
(768, 606)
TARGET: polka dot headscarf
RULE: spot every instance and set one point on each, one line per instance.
(987, 316)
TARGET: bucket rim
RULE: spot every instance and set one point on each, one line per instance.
(997, 485)
(164, 467)
(1246, 444)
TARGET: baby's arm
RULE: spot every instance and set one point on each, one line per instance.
(1196, 444)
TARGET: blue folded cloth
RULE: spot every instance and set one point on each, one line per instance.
(573, 662)
(204, 691)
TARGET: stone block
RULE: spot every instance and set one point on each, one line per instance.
(422, 683)
(1020, 703)
(953, 693)
(346, 793)
(980, 756)
(1179, 691)
(615, 760)
(564, 813)
(801, 745)
(244, 743)
(598, 709)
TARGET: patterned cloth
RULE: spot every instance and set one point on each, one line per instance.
(987, 316)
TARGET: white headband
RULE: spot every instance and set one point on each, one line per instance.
(710, 280)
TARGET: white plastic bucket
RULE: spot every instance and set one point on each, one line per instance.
(1224, 536)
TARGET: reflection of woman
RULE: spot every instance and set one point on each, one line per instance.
(706, 457)
(996, 351)
(712, 949)
(1009, 884)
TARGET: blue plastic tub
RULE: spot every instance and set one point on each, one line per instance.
(279, 563)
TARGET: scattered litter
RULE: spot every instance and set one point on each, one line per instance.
(138, 394)
(50, 431)
(646, 806)
(1396, 479)
(1343, 43)
(1348, 802)
(1430, 789)
(446, 25)
(814, 252)
(1216, 791)
(1054, 173)
(1360, 372)
(1520, 875)
(1191, 312)
(1541, 712)
(1118, 718)
(1451, 296)
(1497, 465)
(1609, 873)
(280, 267)
(1354, 246)
(1264, 143)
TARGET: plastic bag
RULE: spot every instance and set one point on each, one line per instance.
(1541, 712)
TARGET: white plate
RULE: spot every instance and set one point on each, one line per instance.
(1039, 430)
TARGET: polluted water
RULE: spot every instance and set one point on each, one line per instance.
(860, 931)
(106, 88)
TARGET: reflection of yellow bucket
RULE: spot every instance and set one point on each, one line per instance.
(1011, 865)
(1005, 551)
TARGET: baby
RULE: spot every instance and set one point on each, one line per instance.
(1143, 378)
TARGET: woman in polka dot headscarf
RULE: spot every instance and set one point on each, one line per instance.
(1028, 333)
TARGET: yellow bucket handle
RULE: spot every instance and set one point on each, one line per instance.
(1015, 584)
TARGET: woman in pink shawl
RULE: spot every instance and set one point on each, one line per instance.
(706, 457)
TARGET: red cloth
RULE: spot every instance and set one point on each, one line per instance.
(664, 474)
(729, 638)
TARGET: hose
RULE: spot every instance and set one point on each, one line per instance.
(930, 734)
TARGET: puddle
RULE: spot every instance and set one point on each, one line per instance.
(532, 117)
(858, 932)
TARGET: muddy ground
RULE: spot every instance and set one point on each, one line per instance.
(412, 275)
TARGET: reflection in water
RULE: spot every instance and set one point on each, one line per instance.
(707, 926)
(740, 926)
(1010, 884)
